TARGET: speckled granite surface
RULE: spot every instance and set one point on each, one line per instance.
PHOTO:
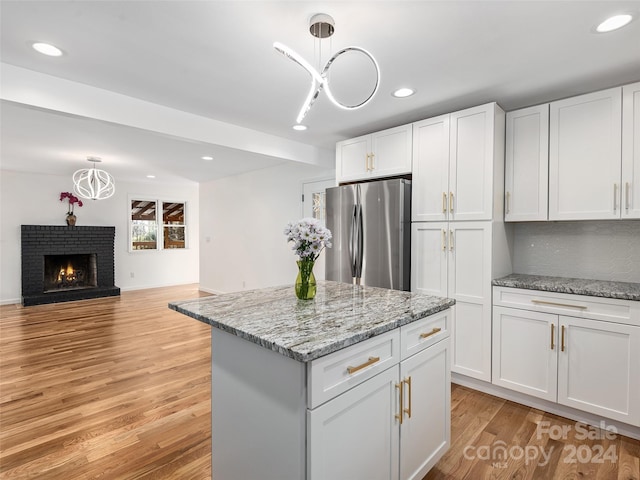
(339, 316)
(576, 286)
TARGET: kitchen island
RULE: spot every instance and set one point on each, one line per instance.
(353, 384)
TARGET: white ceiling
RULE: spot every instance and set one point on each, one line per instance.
(215, 59)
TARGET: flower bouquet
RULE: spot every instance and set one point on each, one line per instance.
(309, 238)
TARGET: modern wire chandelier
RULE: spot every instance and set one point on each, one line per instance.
(93, 183)
(322, 26)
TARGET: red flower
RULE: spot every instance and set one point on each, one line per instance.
(72, 200)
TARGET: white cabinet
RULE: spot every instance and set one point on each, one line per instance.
(630, 186)
(585, 156)
(458, 165)
(379, 154)
(578, 351)
(355, 435)
(527, 164)
(393, 425)
(455, 259)
(525, 352)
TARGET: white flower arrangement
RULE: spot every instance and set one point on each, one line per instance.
(309, 238)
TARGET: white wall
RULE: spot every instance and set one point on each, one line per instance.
(28, 199)
(241, 227)
(601, 250)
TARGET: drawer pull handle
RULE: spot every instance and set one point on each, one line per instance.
(553, 336)
(432, 332)
(554, 304)
(562, 335)
(371, 361)
(398, 416)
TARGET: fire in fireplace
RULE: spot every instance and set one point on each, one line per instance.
(69, 272)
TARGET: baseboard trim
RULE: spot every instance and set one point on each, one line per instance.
(551, 407)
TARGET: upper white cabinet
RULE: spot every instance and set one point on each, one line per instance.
(630, 185)
(457, 161)
(585, 156)
(379, 154)
(527, 164)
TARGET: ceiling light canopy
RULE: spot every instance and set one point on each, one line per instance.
(47, 49)
(614, 23)
(92, 183)
(322, 26)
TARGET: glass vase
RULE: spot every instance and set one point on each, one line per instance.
(305, 281)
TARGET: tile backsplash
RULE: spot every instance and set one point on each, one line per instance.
(602, 250)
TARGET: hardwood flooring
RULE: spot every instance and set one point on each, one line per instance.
(113, 388)
(119, 388)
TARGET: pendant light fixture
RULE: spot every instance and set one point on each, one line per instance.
(93, 183)
(322, 26)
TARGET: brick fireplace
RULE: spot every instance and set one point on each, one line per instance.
(62, 263)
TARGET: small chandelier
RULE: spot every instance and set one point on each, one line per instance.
(92, 183)
(322, 26)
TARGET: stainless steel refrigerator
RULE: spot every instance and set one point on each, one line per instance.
(371, 227)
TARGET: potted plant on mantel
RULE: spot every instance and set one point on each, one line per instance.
(72, 199)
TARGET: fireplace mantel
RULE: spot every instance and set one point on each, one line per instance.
(41, 240)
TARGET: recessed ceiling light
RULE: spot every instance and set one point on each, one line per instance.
(613, 23)
(403, 92)
(207, 157)
(151, 176)
(47, 49)
(299, 127)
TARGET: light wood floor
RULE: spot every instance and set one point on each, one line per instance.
(119, 388)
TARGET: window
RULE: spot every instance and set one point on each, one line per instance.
(146, 224)
(173, 225)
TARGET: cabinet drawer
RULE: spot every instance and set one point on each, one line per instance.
(596, 308)
(419, 335)
(337, 372)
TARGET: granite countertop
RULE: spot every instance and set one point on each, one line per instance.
(339, 316)
(576, 286)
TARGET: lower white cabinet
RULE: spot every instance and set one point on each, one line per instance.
(394, 425)
(559, 349)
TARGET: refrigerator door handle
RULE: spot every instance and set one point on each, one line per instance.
(353, 241)
(360, 250)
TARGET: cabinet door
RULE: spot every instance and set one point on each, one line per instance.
(391, 152)
(471, 163)
(599, 368)
(585, 156)
(525, 352)
(425, 433)
(429, 256)
(430, 178)
(527, 164)
(352, 159)
(469, 282)
(631, 151)
(356, 435)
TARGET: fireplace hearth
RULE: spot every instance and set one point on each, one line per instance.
(65, 263)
